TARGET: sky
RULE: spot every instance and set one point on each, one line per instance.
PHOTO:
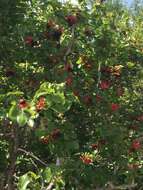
(129, 1)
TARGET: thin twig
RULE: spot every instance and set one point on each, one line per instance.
(6, 135)
(111, 186)
(70, 45)
(50, 186)
(99, 74)
(33, 156)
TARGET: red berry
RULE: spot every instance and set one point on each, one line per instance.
(50, 24)
(69, 81)
(29, 40)
(104, 85)
(135, 145)
(76, 93)
(88, 66)
(133, 166)
(56, 134)
(114, 107)
(102, 142)
(86, 159)
(45, 139)
(87, 99)
(71, 20)
(22, 104)
(98, 98)
(94, 146)
(68, 67)
(133, 127)
(41, 104)
(140, 118)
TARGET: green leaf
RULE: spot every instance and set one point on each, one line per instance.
(24, 181)
(40, 132)
(13, 112)
(15, 93)
(130, 64)
(22, 119)
(59, 108)
(47, 175)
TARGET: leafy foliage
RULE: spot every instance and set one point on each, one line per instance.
(70, 95)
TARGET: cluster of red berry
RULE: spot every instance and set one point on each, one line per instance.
(53, 31)
(71, 19)
(40, 105)
(98, 145)
(22, 104)
(54, 135)
(87, 158)
(135, 146)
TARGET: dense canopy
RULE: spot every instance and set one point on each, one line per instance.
(71, 104)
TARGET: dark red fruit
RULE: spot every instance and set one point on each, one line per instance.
(98, 98)
(50, 24)
(133, 166)
(88, 66)
(140, 118)
(45, 139)
(86, 159)
(76, 93)
(22, 104)
(29, 40)
(102, 142)
(68, 67)
(115, 107)
(41, 104)
(87, 100)
(104, 85)
(56, 134)
(135, 145)
(71, 20)
(69, 81)
(133, 127)
(94, 146)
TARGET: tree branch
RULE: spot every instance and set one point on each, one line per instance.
(70, 45)
(50, 186)
(13, 156)
(111, 186)
(32, 156)
(99, 74)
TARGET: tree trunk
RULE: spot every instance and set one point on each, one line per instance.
(13, 156)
